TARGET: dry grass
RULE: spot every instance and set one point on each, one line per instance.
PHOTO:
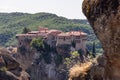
(79, 70)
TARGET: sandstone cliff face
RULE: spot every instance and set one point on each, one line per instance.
(43, 65)
(9, 68)
(48, 64)
(47, 69)
(104, 17)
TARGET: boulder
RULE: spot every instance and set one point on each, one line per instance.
(10, 69)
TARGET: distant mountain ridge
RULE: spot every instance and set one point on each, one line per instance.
(13, 23)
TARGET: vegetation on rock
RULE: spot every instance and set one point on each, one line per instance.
(37, 43)
(73, 59)
(94, 52)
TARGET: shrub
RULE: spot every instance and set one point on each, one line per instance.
(67, 61)
(81, 52)
(73, 59)
(37, 43)
(3, 69)
(74, 54)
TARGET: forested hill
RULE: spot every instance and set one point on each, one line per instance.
(13, 23)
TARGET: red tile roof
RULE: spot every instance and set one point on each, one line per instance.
(26, 34)
(76, 33)
(45, 32)
(63, 34)
(33, 32)
(54, 32)
(42, 28)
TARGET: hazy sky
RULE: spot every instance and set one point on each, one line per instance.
(66, 8)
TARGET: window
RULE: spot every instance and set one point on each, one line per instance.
(77, 41)
(77, 37)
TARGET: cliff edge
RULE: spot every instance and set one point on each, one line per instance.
(104, 17)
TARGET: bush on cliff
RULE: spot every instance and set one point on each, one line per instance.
(37, 43)
(73, 59)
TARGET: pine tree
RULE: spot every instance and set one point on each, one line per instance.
(25, 30)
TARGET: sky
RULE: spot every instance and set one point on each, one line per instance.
(71, 9)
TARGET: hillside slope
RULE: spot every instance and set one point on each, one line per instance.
(13, 23)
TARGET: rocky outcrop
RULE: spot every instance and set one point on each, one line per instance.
(43, 65)
(25, 59)
(97, 70)
(47, 66)
(9, 68)
(104, 17)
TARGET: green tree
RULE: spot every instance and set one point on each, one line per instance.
(25, 30)
(73, 44)
(37, 43)
(82, 56)
(74, 54)
(73, 59)
(93, 51)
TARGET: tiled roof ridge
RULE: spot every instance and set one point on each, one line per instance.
(53, 31)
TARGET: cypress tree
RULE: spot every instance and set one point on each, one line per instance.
(25, 30)
(93, 51)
